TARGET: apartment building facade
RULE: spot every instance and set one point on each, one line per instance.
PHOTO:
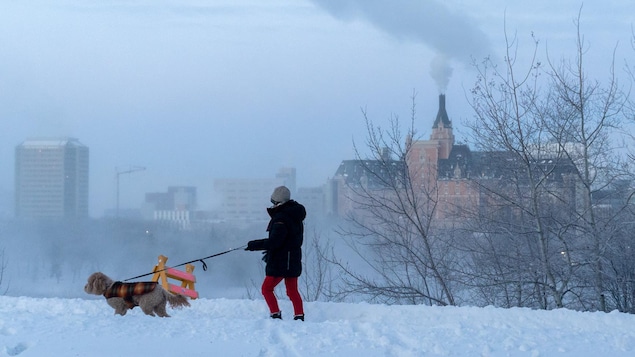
(51, 178)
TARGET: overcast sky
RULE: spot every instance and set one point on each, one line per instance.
(197, 90)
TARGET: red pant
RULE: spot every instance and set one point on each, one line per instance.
(291, 284)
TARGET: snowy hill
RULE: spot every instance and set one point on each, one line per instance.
(224, 327)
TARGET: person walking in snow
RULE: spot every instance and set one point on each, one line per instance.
(283, 251)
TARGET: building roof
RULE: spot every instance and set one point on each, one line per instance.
(50, 142)
(372, 173)
(463, 163)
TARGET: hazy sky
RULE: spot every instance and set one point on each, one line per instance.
(197, 90)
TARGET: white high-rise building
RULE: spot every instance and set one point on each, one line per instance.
(51, 179)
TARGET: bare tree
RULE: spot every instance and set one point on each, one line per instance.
(3, 266)
(318, 277)
(585, 121)
(509, 122)
(403, 256)
(557, 127)
(619, 255)
(617, 262)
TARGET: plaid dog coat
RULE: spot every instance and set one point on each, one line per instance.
(127, 290)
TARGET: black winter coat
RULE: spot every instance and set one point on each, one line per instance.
(284, 245)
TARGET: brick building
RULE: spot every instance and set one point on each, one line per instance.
(456, 178)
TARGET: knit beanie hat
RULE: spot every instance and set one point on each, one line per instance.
(280, 194)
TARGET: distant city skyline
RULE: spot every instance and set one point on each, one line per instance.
(196, 91)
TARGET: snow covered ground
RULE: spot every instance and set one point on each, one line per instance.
(241, 327)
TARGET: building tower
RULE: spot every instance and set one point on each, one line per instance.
(442, 130)
(51, 179)
(424, 155)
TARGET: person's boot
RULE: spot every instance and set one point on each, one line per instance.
(299, 317)
(277, 315)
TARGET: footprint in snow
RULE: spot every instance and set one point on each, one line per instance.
(16, 350)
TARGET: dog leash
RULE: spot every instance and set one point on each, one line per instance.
(202, 260)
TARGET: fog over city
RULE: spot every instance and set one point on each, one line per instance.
(196, 90)
(192, 91)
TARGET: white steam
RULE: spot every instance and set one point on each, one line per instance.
(451, 34)
(441, 71)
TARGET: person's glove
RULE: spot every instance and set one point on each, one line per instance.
(258, 244)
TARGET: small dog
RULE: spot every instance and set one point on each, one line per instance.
(151, 297)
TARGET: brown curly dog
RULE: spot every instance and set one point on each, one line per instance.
(149, 296)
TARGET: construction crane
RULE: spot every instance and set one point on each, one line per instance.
(122, 172)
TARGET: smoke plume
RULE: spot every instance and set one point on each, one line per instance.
(441, 71)
(451, 34)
